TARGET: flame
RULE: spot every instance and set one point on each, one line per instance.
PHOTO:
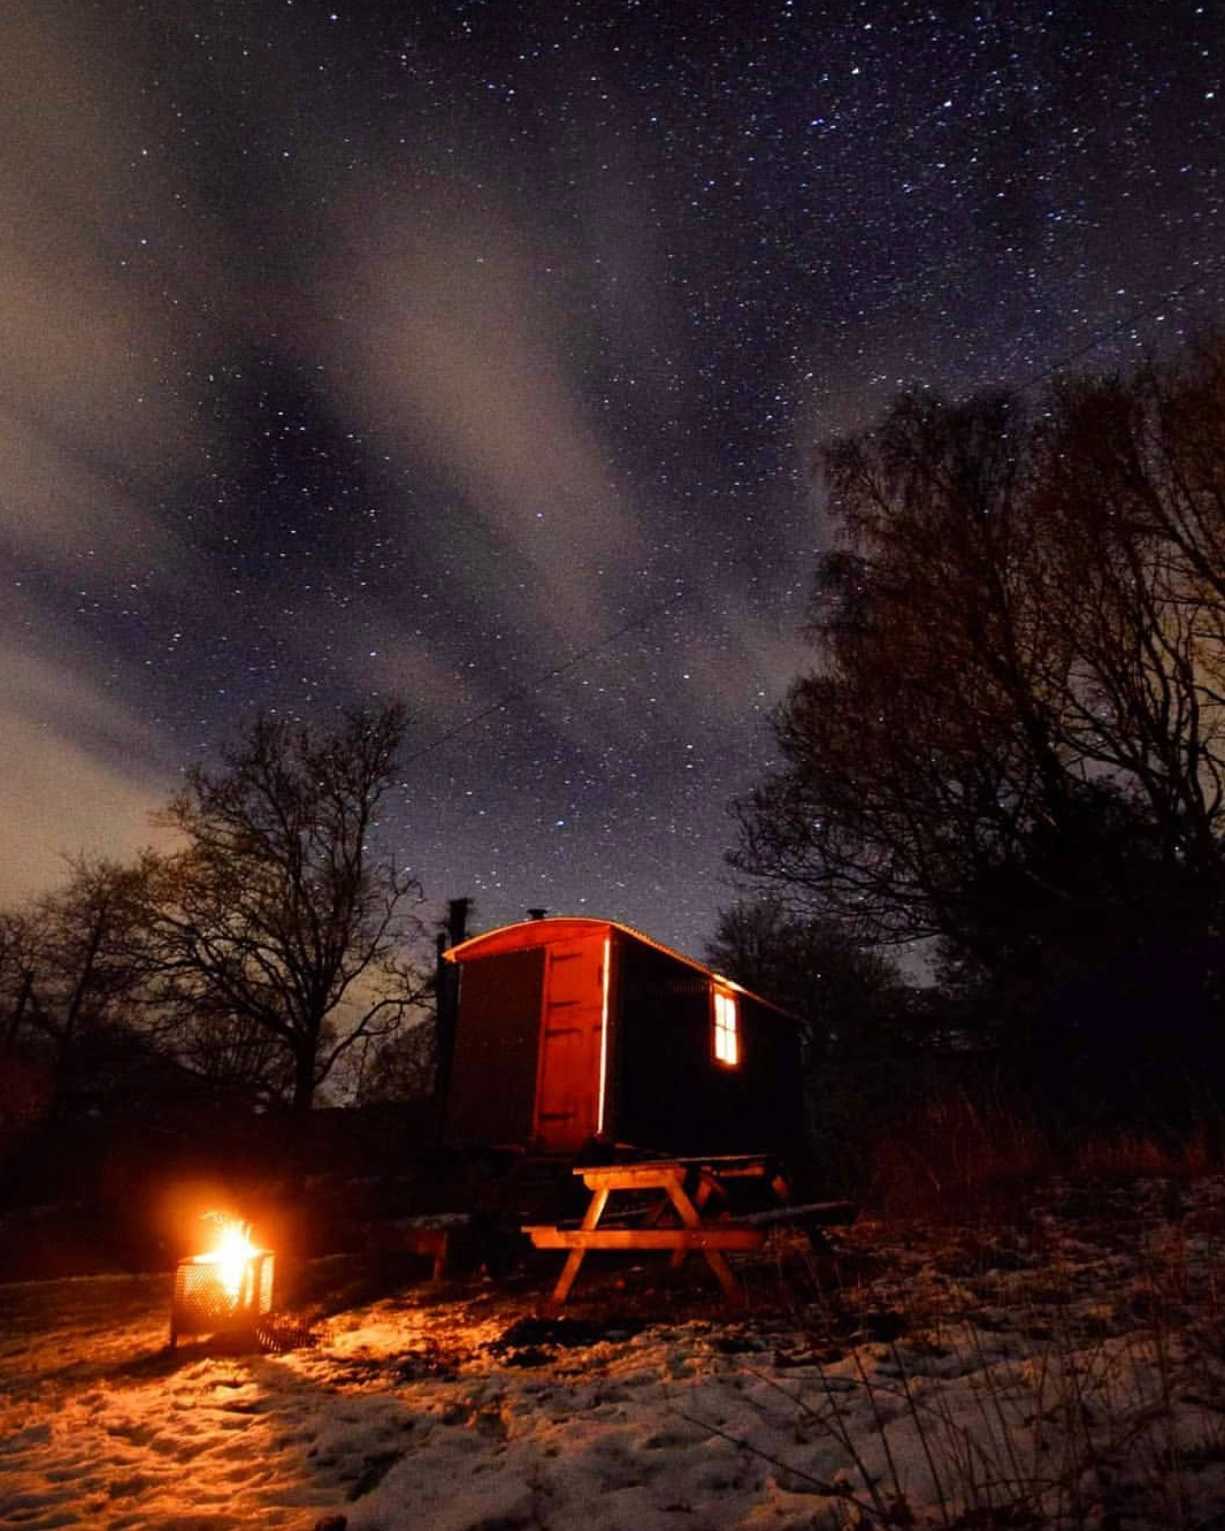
(231, 1253)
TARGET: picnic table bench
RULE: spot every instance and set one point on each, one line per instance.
(690, 1215)
(434, 1235)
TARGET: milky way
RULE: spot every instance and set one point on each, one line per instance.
(477, 353)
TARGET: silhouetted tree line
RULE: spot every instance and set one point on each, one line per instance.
(1009, 751)
(266, 954)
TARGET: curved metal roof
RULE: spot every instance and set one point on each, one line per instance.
(526, 934)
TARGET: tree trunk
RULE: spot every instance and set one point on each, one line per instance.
(68, 1035)
(303, 1082)
(19, 1010)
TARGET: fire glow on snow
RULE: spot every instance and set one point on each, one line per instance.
(1073, 1362)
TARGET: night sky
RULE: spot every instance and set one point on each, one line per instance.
(354, 350)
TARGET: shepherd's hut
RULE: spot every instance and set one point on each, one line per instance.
(569, 1031)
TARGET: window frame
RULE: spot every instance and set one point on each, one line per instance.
(725, 1034)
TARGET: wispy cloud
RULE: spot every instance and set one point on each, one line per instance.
(80, 773)
(105, 271)
(451, 342)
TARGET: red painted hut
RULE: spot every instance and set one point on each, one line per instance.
(573, 1030)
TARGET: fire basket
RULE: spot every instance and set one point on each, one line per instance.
(227, 1290)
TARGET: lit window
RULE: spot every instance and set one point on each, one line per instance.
(727, 1042)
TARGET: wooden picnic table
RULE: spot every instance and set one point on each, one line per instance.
(694, 1193)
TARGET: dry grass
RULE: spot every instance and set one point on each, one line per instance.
(1056, 1351)
(956, 1159)
(959, 1159)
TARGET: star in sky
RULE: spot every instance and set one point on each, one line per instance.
(477, 353)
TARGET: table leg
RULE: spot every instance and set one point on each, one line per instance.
(574, 1260)
(706, 1188)
(715, 1258)
(566, 1280)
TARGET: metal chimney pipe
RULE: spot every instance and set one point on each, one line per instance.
(446, 1000)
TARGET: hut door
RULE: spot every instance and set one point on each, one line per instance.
(571, 1038)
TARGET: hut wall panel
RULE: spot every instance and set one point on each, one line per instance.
(671, 1094)
(667, 1095)
(493, 1083)
(773, 1076)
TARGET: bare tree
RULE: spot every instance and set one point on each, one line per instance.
(233, 1053)
(281, 935)
(404, 1068)
(916, 744)
(73, 966)
(1013, 735)
(17, 968)
(1023, 607)
(836, 988)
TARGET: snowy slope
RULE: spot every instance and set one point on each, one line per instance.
(1071, 1367)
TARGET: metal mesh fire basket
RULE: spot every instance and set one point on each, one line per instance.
(203, 1304)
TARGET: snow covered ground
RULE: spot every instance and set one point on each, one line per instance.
(1068, 1369)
